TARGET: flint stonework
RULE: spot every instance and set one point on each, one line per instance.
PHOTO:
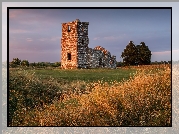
(75, 52)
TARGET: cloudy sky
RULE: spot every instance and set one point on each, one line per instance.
(34, 34)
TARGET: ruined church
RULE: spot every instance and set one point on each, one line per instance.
(75, 52)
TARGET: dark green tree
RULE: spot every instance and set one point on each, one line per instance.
(41, 64)
(169, 62)
(130, 54)
(25, 63)
(57, 64)
(136, 55)
(32, 64)
(144, 54)
(16, 61)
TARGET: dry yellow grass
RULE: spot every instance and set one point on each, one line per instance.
(144, 100)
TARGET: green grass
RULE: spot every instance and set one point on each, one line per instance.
(87, 75)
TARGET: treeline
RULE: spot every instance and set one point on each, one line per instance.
(16, 62)
(121, 64)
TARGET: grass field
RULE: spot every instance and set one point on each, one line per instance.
(135, 96)
(87, 75)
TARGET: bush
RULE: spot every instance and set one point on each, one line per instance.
(27, 92)
(25, 63)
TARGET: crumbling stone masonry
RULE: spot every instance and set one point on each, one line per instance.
(75, 52)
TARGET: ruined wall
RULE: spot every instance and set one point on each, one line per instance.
(95, 58)
(108, 61)
(82, 44)
(75, 52)
(69, 45)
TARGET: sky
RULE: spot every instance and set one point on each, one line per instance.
(34, 34)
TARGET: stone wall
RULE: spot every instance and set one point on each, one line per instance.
(75, 52)
(69, 45)
(82, 44)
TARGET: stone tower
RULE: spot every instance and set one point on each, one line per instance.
(74, 45)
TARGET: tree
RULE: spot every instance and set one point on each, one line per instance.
(40, 64)
(57, 64)
(136, 55)
(32, 64)
(16, 61)
(130, 54)
(25, 63)
(144, 54)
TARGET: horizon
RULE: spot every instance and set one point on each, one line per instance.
(60, 61)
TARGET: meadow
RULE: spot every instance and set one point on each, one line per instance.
(128, 96)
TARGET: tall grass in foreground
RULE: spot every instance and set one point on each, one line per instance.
(143, 100)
